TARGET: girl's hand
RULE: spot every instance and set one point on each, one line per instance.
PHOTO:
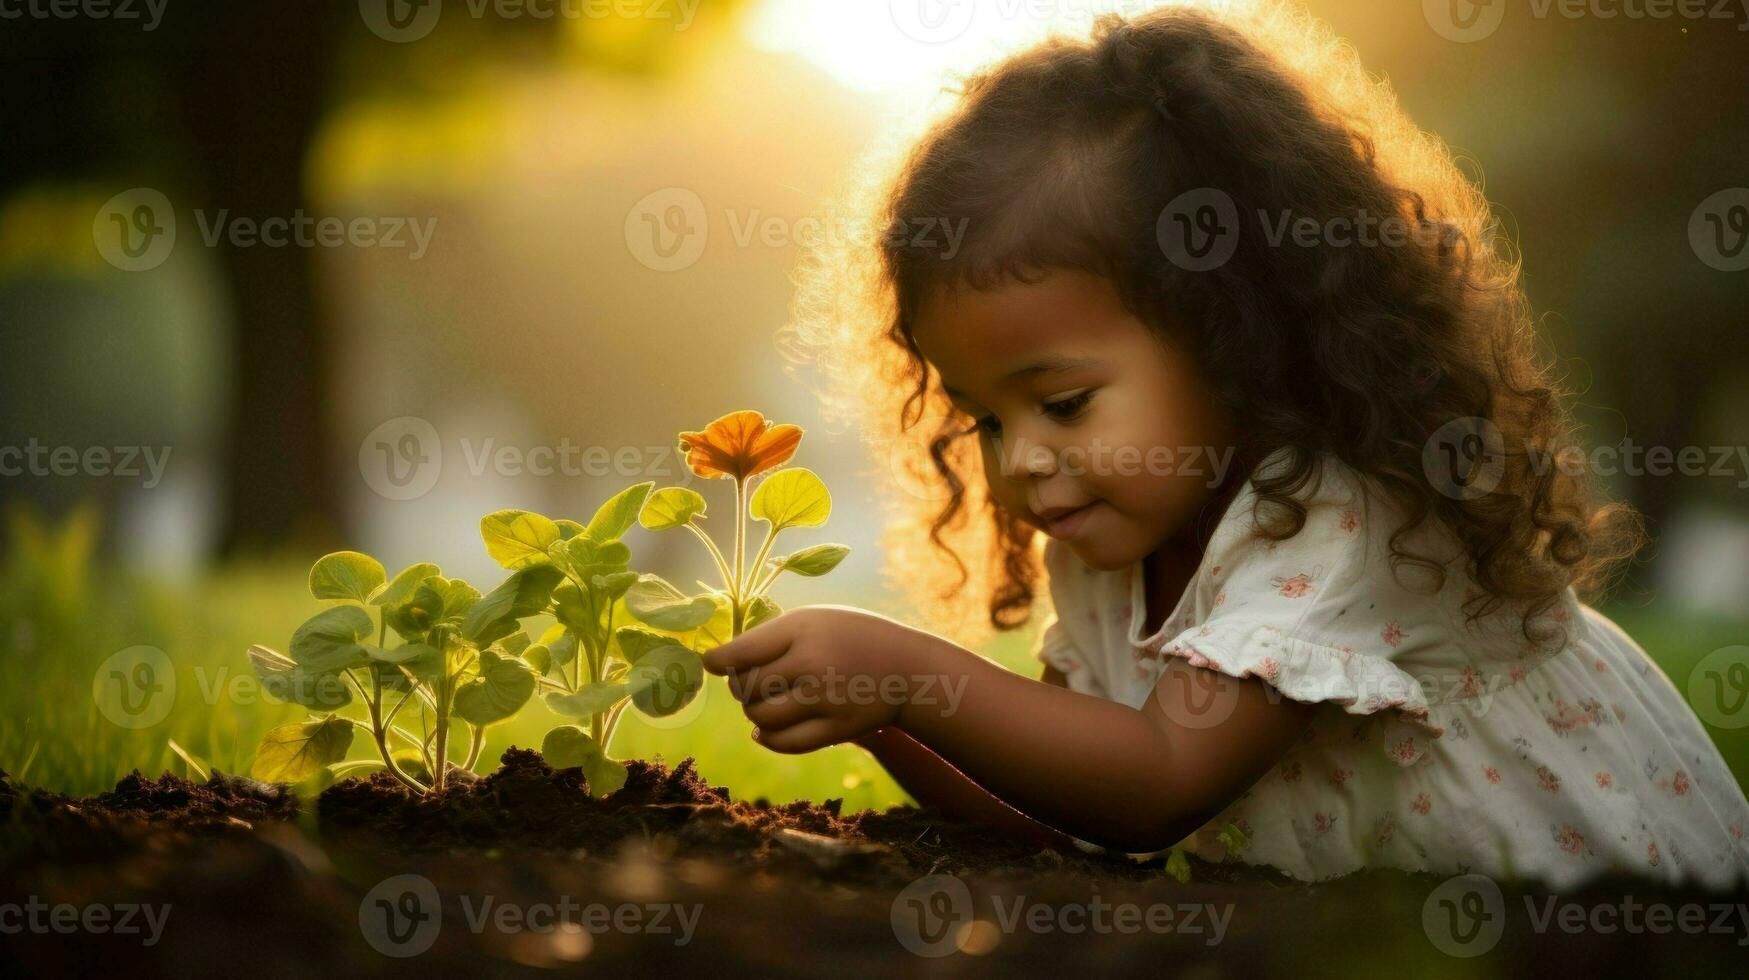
(818, 676)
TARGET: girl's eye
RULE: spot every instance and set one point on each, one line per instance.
(1067, 407)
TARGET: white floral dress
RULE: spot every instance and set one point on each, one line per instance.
(1444, 746)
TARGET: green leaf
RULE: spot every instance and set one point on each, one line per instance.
(671, 507)
(405, 653)
(525, 593)
(346, 575)
(458, 597)
(663, 606)
(329, 640)
(539, 658)
(517, 538)
(569, 747)
(634, 642)
(503, 686)
(420, 611)
(284, 679)
(568, 530)
(590, 699)
(814, 561)
(588, 558)
(293, 753)
(665, 679)
(609, 588)
(1233, 839)
(792, 498)
(617, 516)
(573, 608)
(760, 609)
(1178, 866)
(401, 587)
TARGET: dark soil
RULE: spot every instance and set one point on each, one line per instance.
(250, 883)
(527, 805)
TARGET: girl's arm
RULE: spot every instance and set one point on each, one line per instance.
(1135, 779)
(933, 781)
(1132, 779)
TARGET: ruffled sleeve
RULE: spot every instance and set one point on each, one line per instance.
(1063, 643)
(1308, 615)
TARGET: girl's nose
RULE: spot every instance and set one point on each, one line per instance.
(1031, 460)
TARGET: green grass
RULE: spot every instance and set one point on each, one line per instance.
(62, 616)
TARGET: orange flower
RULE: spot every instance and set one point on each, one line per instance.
(739, 445)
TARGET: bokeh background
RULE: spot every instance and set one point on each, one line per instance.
(615, 197)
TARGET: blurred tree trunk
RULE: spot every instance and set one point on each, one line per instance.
(251, 92)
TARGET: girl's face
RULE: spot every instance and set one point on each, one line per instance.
(1093, 429)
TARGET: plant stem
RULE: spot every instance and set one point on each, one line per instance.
(740, 537)
(716, 554)
(440, 771)
(475, 744)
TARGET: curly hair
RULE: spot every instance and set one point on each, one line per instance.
(1068, 154)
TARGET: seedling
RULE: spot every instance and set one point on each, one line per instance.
(655, 666)
(618, 637)
(458, 659)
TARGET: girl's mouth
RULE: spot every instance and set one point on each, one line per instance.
(1062, 524)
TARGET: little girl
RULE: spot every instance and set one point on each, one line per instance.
(1312, 555)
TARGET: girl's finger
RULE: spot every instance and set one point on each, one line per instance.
(778, 712)
(758, 683)
(759, 645)
(805, 736)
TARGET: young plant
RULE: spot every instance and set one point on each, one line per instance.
(459, 658)
(739, 447)
(592, 664)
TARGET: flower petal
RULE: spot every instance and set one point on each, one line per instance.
(738, 445)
